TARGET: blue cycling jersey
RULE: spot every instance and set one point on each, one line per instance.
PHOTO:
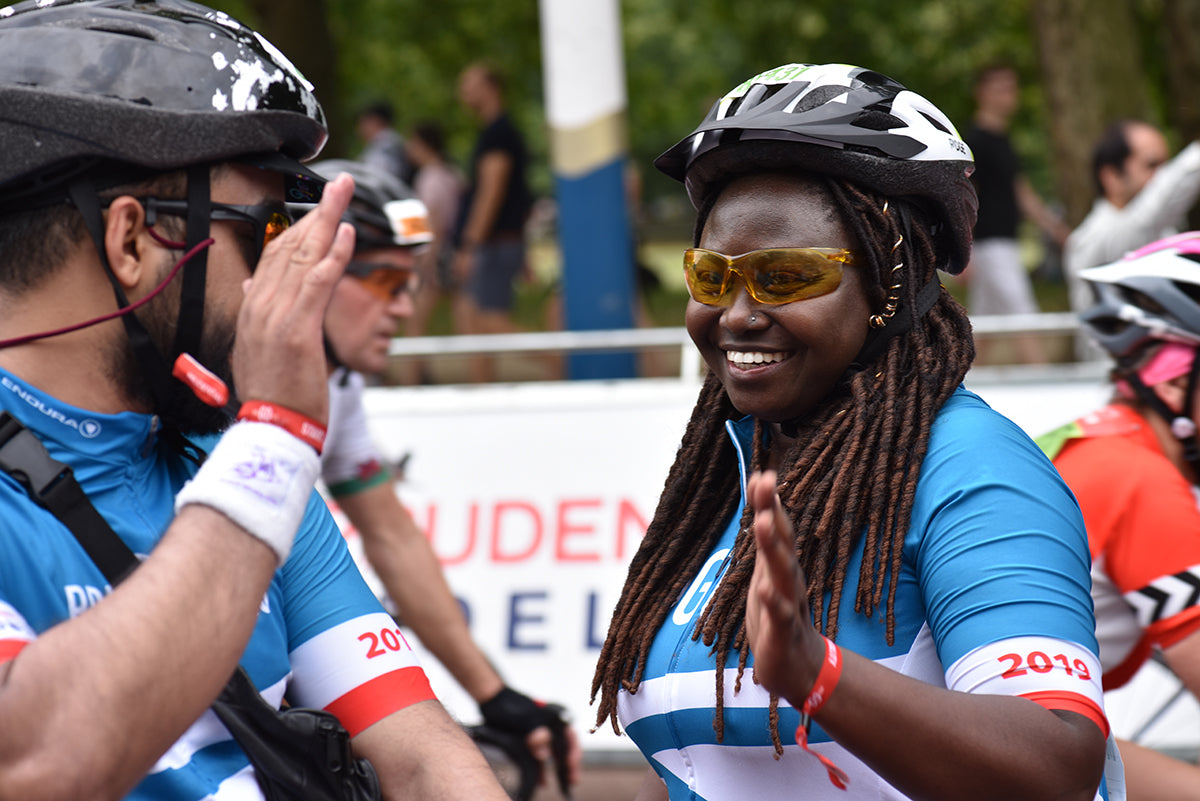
(321, 635)
(995, 568)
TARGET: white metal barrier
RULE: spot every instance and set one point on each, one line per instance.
(644, 338)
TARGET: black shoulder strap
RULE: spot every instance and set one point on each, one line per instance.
(53, 486)
(255, 724)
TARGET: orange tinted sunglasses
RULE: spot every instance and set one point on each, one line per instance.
(773, 276)
(383, 281)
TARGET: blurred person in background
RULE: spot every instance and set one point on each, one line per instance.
(440, 186)
(997, 278)
(490, 236)
(1141, 195)
(369, 304)
(383, 146)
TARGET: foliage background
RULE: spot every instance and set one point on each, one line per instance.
(682, 54)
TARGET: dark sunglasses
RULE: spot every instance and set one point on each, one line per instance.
(268, 219)
(773, 276)
(383, 281)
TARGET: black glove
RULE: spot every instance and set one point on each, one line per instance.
(510, 711)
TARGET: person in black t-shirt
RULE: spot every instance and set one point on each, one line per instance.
(998, 282)
(491, 231)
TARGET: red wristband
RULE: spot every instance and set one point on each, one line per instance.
(300, 426)
(827, 679)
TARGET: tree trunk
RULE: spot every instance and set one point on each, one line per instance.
(300, 28)
(1092, 71)
(1181, 18)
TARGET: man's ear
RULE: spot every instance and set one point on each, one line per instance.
(127, 241)
(1112, 181)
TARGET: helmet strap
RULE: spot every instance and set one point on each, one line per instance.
(900, 318)
(877, 338)
(331, 354)
(154, 367)
(191, 301)
(1181, 424)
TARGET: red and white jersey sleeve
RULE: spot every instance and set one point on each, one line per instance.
(1053, 673)
(360, 670)
(15, 633)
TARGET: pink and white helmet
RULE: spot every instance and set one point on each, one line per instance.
(1150, 295)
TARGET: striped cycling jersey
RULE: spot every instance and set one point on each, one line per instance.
(1142, 522)
(321, 635)
(992, 598)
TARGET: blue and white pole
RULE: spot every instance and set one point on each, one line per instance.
(584, 76)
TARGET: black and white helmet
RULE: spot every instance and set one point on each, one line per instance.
(382, 204)
(160, 85)
(843, 121)
(98, 93)
(1150, 295)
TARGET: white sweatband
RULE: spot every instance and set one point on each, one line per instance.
(260, 477)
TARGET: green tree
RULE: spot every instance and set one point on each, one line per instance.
(1080, 61)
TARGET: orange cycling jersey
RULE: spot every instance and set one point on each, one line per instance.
(1143, 529)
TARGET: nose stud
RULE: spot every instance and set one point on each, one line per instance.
(753, 318)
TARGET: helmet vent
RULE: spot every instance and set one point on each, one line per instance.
(872, 78)
(1191, 290)
(936, 123)
(139, 31)
(875, 120)
(817, 97)
(1141, 300)
(1108, 325)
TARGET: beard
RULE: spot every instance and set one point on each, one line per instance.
(181, 411)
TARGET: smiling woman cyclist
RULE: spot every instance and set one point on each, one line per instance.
(850, 546)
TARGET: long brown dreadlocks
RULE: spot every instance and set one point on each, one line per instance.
(851, 473)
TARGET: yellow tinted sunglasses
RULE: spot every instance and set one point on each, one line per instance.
(383, 281)
(773, 276)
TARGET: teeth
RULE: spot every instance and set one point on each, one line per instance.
(756, 357)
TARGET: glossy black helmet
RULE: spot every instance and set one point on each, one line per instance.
(843, 121)
(160, 85)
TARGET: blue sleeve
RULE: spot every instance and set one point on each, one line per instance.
(1001, 546)
(321, 584)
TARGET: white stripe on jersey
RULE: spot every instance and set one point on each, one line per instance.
(347, 656)
(13, 625)
(738, 773)
(694, 690)
(206, 731)
(241, 786)
(1027, 665)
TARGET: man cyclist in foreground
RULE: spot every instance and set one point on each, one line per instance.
(146, 151)
(1134, 466)
(368, 305)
